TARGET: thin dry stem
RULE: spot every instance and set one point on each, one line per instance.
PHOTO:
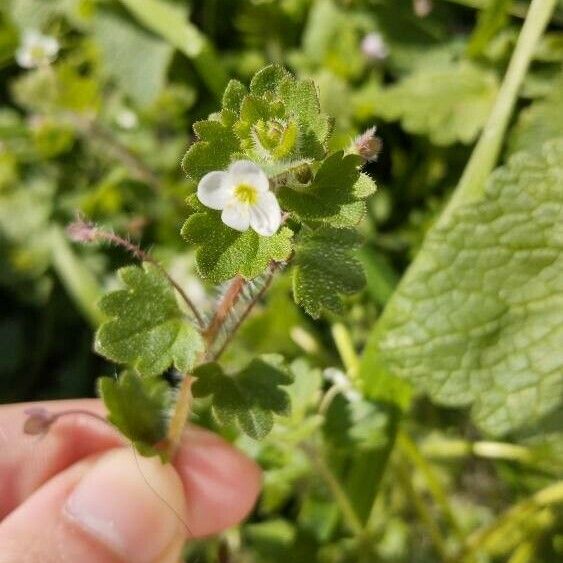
(83, 231)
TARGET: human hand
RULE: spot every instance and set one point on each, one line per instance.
(79, 494)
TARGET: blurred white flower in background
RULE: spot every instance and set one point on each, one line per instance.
(243, 193)
(36, 49)
(341, 381)
(127, 119)
(374, 47)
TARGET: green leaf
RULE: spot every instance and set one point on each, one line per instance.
(481, 324)
(449, 103)
(233, 96)
(250, 397)
(335, 195)
(137, 60)
(325, 268)
(490, 23)
(540, 122)
(147, 328)
(355, 425)
(223, 252)
(138, 407)
(213, 150)
(171, 22)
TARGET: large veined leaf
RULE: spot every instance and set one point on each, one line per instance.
(449, 103)
(147, 329)
(481, 322)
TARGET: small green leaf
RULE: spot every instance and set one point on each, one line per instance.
(147, 328)
(335, 195)
(325, 269)
(138, 407)
(250, 397)
(224, 252)
(449, 103)
(267, 80)
(481, 323)
(359, 424)
(212, 151)
(233, 96)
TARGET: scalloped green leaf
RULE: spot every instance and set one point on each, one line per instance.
(249, 398)
(138, 407)
(325, 269)
(213, 150)
(449, 103)
(147, 329)
(335, 196)
(222, 252)
(481, 323)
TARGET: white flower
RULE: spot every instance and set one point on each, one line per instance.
(243, 193)
(127, 119)
(374, 47)
(36, 50)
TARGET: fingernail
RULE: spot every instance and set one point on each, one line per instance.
(117, 504)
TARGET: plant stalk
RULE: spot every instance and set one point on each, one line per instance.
(179, 414)
(485, 154)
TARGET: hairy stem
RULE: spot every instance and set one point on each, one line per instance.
(249, 306)
(83, 231)
(179, 414)
(229, 300)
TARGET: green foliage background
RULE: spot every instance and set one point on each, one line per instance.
(451, 427)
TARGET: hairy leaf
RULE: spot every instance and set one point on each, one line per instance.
(325, 269)
(248, 398)
(224, 252)
(213, 150)
(449, 103)
(138, 408)
(482, 323)
(335, 195)
(147, 328)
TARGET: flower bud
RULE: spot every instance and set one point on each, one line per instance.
(368, 145)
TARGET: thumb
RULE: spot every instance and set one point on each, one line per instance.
(101, 511)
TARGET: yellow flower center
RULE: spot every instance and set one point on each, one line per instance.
(246, 193)
(37, 52)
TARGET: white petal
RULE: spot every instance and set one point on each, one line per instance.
(51, 46)
(213, 190)
(23, 58)
(236, 216)
(246, 172)
(265, 216)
